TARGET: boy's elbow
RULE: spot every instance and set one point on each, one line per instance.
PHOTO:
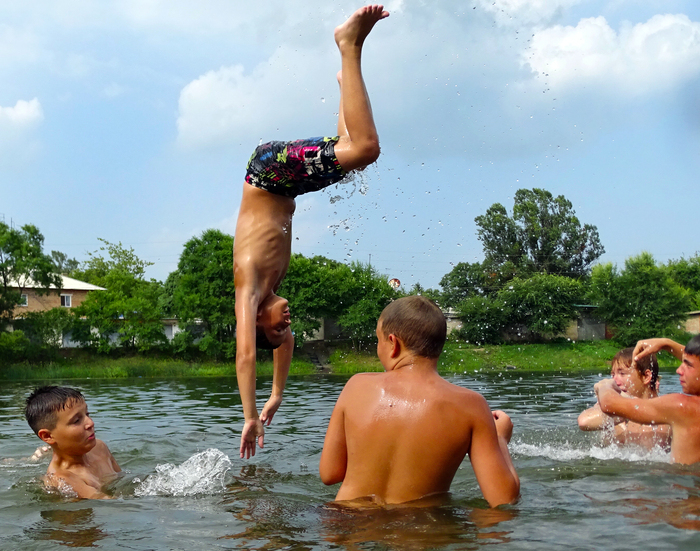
(509, 495)
(369, 152)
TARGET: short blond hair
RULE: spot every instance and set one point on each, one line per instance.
(418, 322)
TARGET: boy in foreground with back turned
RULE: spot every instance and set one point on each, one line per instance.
(401, 435)
(80, 462)
(277, 173)
(681, 411)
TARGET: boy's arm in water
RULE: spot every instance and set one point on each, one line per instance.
(82, 489)
(281, 360)
(652, 346)
(334, 457)
(593, 418)
(490, 458)
(246, 313)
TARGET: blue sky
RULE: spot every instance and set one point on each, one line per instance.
(132, 121)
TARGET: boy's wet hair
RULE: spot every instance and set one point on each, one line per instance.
(261, 340)
(42, 406)
(626, 358)
(693, 346)
(418, 322)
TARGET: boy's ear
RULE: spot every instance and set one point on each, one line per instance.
(45, 435)
(396, 345)
(646, 379)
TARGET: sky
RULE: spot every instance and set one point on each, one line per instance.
(133, 120)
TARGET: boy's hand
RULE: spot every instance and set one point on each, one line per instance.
(504, 426)
(271, 407)
(39, 453)
(604, 384)
(252, 431)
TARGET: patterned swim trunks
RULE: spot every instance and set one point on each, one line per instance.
(292, 168)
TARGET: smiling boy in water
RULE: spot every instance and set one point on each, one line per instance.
(81, 462)
(680, 411)
(638, 379)
(278, 172)
(401, 435)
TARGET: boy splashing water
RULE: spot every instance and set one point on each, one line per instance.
(81, 462)
(277, 173)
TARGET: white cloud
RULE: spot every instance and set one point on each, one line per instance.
(25, 114)
(228, 104)
(645, 58)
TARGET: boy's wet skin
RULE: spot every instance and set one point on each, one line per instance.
(80, 460)
(680, 411)
(262, 245)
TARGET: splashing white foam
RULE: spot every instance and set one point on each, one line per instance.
(203, 473)
(565, 452)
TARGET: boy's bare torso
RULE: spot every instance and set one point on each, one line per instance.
(87, 479)
(406, 434)
(263, 241)
(646, 436)
(685, 444)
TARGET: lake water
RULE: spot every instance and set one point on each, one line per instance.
(184, 486)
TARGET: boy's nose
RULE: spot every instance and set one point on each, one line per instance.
(89, 423)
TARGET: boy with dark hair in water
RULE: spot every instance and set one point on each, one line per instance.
(636, 379)
(681, 411)
(278, 172)
(401, 435)
(80, 462)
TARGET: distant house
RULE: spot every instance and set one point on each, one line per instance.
(692, 324)
(71, 294)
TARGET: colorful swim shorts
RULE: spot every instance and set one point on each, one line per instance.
(292, 168)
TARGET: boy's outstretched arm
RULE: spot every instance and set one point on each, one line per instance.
(281, 359)
(652, 346)
(490, 458)
(253, 431)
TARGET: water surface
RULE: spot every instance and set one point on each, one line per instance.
(184, 486)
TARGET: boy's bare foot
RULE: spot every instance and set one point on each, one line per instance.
(354, 31)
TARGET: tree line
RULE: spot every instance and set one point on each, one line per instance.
(539, 269)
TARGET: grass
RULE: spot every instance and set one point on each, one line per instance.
(134, 367)
(456, 358)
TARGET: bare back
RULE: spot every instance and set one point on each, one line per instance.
(407, 434)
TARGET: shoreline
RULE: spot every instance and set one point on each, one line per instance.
(571, 357)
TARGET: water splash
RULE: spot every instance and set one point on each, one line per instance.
(564, 451)
(201, 474)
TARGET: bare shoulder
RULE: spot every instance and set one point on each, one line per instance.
(467, 398)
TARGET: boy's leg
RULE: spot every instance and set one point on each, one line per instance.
(359, 142)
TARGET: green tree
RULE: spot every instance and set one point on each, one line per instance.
(125, 315)
(466, 280)
(64, 265)
(543, 304)
(433, 294)
(484, 319)
(315, 290)
(640, 301)
(201, 293)
(367, 292)
(22, 261)
(686, 272)
(543, 235)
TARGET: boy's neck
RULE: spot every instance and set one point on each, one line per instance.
(415, 364)
(66, 461)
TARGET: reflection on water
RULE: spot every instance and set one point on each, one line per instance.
(185, 488)
(71, 528)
